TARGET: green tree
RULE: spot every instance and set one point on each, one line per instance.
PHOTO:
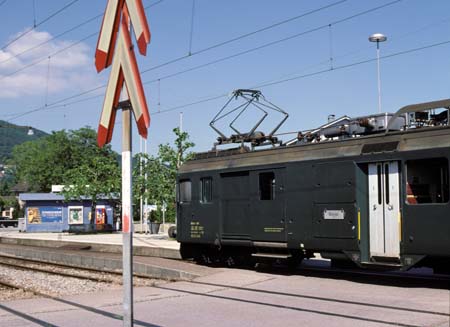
(159, 187)
(43, 162)
(94, 178)
(59, 157)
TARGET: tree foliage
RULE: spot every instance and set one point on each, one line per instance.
(161, 170)
(12, 135)
(68, 158)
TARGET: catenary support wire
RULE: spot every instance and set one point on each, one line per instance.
(192, 28)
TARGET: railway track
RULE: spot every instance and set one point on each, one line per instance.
(114, 277)
(95, 275)
(24, 264)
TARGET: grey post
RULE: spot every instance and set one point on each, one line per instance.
(127, 216)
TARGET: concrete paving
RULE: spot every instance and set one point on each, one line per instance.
(157, 245)
(146, 266)
(159, 240)
(233, 297)
(102, 251)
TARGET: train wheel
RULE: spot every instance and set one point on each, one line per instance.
(172, 232)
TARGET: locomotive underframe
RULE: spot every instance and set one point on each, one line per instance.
(291, 202)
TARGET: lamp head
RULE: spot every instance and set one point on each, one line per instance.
(377, 37)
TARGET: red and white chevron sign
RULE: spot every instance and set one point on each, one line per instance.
(114, 48)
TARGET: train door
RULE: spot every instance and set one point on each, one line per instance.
(235, 204)
(384, 209)
(268, 206)
(184, 209)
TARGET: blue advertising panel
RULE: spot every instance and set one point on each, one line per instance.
(42, 215)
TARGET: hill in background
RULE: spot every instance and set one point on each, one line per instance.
(12, 135)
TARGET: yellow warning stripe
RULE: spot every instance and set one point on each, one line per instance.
(359, 225)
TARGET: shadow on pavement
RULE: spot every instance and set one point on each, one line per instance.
(27, 317)
(78, 305)
(322, 269)
(101, 312)
(280, 306)
(310, 297)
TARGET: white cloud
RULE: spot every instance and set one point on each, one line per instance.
(70, 69)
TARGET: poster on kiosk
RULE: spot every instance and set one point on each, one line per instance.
(100, 215)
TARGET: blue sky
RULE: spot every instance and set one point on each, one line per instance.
(417, 76)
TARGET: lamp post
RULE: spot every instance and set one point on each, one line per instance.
(378, 37)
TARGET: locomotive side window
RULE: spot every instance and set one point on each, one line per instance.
(185, 191)
(427, 181)
(267, 186)
(206, 190)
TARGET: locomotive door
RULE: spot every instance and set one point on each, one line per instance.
(384, 209)
(268, 206)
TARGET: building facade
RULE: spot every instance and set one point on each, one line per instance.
(50, 212)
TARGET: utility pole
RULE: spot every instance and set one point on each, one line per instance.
(145, 179)
(115, 49)
(377, 38)
(181, 122)
(127, 215)
(140, 176)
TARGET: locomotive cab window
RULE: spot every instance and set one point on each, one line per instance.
(185, 191)
(206, 190)
(267, 186)
(427, 181)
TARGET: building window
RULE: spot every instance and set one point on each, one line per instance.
(185, 191)
(427, 181)
(267, 186)
(206, 190)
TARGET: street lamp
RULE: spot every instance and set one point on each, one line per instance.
(378, 37)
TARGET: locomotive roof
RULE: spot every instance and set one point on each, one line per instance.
(413, 139)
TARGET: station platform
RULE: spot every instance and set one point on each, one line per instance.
(153, 245)
(155, 255)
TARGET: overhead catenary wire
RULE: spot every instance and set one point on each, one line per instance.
(215, 46)
(159, 95)
(87, 21)
(36, 62)
(240, 37)
(34, 13)
(48, 81)
(192, 28)
(3, 2)
(54, 14)
(330, 39)
(213, 62)
(240, 53)
(269, 44)
(59, 104)
(320, 72)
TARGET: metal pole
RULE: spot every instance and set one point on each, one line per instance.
(164, 216)
(145, 176)
(140, 175)
(127, 218)
(378, 74)
(181, 122)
